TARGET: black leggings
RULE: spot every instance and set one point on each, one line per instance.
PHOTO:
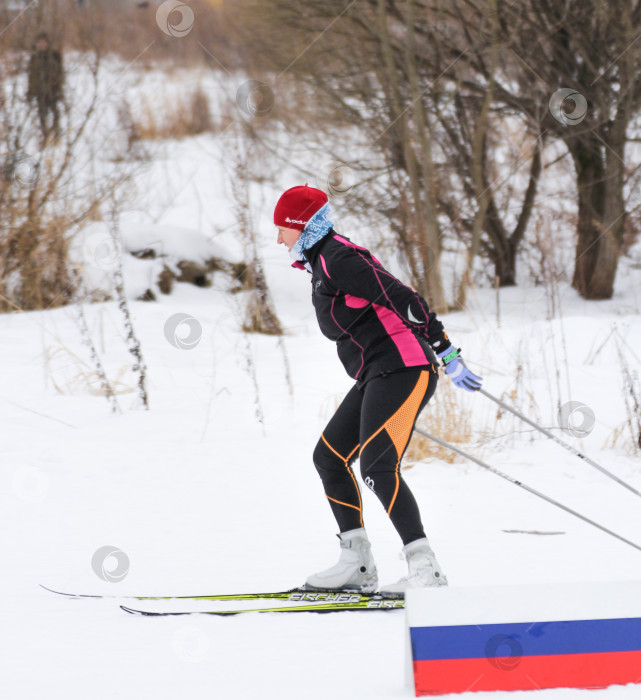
(375, 423)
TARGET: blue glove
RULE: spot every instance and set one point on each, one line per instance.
(457, 371)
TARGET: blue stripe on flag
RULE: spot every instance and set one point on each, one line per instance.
(526, 639)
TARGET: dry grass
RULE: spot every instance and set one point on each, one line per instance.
(33, 265)
(628, 433)
(38, 218)
(70, 375)
(132, 30)
(260, 316)
(447, 419)
(183, 115)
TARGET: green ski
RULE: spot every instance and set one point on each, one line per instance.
(298, 595)
(374, 603)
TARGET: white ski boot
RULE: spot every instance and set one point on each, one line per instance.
(424, 570)
(355, 570)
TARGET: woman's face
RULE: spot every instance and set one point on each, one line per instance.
(288, 236)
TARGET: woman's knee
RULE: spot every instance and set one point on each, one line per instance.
(324, 459)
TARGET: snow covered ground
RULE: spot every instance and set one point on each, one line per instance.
(203, 498)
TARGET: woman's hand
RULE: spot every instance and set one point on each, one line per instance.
(457, 371)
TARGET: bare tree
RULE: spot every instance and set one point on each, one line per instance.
(424, 123)
(434, 78)
(366, 81)
(573, 68)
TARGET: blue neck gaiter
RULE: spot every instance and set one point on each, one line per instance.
(317, 227)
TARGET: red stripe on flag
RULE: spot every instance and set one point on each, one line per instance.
(527, 673)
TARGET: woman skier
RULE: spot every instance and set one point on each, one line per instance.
(386, 339)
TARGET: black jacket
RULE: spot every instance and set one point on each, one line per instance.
(379, 324)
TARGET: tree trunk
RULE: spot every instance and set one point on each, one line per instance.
(611, 238)
(504, 246)
(505, 265)
(596, 251)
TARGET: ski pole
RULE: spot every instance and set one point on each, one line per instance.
(558, 441)
(512, 480)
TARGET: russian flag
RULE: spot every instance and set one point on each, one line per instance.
(525, 637)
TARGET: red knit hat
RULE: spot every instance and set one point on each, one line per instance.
(297, 205)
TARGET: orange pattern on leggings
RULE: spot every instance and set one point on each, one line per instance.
(399, 425)
(345, 460)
